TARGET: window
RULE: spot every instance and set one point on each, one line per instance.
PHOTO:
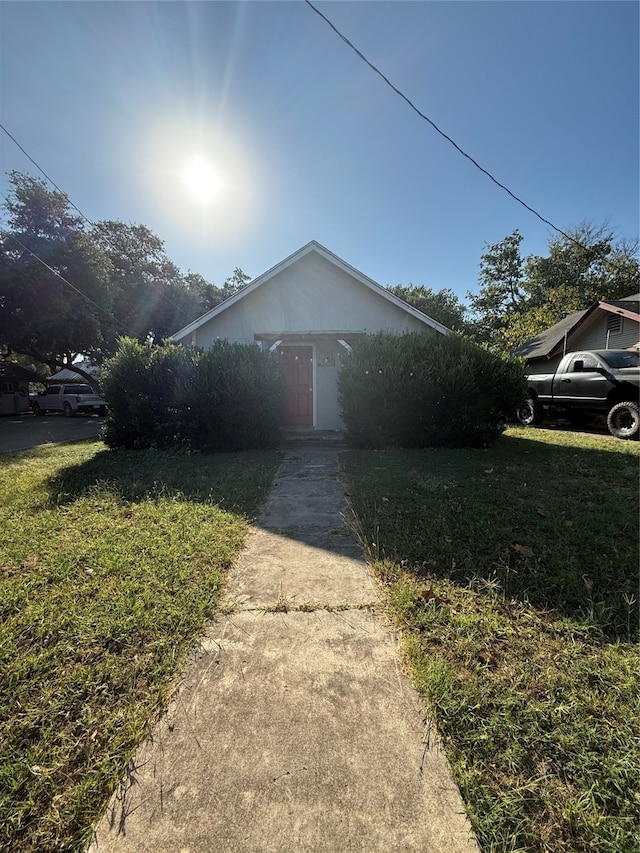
(78, 389)
(583, 361)
(620, 359)
(589, 363)
(8, 387)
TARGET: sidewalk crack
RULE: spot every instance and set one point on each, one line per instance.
(287, 606)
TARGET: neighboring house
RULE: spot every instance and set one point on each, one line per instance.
(604, 325)
(308, 310)
(68, 375)
(14, 387)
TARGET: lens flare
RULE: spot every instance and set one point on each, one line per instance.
(201, 180)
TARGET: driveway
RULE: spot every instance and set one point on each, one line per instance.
(21, 432)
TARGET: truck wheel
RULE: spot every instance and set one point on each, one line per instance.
(623, 420)
(35, 408)
(68, 411)
(531, 413)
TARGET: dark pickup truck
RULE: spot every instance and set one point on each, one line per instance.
(587, 384)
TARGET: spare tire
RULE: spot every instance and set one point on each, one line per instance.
(623, 420)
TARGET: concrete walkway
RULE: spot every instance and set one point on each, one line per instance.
(294, 729)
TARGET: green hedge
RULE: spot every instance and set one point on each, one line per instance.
(237, 397)
(426, 390)
(227, 398)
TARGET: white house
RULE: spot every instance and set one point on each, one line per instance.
(604, 325)
(14, 387)
(308, 310)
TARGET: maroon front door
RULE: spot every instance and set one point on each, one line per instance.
(297, 362)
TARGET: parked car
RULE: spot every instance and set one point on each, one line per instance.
(586, 384)
(69, 399)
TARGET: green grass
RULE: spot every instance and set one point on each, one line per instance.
(513, 574)
(110, 566)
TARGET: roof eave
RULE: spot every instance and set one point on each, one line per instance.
(313, 245)
(623, 312)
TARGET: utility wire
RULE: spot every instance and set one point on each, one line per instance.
(86, 218)
(40, 169)
(72, 286)
(445, 136)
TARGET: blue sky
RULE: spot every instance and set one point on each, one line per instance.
(114, 99)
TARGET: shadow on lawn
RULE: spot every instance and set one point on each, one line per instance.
(547, 521)
(236, 482)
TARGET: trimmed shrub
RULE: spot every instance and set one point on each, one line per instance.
(426, 390)
(147, 388)
(237, 393)
(228, 398)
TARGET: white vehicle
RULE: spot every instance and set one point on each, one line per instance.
(69, 399)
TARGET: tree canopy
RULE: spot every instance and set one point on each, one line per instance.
(55, 301)
(70, 288)
(441, 305)
(520, 297)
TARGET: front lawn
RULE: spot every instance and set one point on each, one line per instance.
(110, 566)
(513, 574)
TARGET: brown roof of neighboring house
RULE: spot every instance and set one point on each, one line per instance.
(545, 343)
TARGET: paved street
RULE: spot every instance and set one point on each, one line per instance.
(20, 432)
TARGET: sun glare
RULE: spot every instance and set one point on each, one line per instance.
(202, 180)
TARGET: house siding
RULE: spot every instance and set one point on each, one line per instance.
(592, 337)
(329, 356)
(14, 396)
(312, 295)
(312, 298)
(595, 337)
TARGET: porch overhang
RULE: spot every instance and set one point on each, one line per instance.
(309, 337)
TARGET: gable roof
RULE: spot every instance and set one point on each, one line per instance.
(67, 374)
(312, 246)
(547, 343)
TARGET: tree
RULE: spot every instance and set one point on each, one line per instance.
(140, 277)
(204, 294)
(55, 302)
(70, 289)
(501, 294)
(520, 298)
(150, 295)
(442, 305)
(236, 281)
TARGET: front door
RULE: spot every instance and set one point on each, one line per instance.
(297, 363)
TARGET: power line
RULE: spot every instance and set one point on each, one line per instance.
(87, 220)
(40, 169)
(72, 286)
(445, 136)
